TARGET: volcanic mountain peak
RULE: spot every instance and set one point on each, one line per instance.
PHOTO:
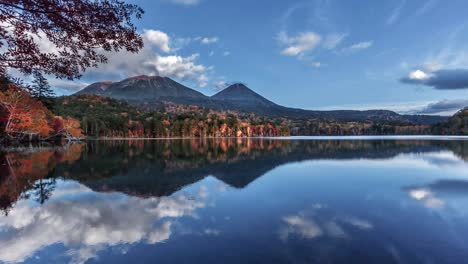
(144, 88)
(238, 92)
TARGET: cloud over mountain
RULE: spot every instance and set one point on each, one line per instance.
(159, 56)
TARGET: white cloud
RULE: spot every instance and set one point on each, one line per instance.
(209, 40)
(157, 39)
(179, 43)
(150, 61)
(183, 68)
(299, 44)
(444, 79)
(333, 40)
(226, 53)
(220, 85)
(396, 13)
(184, 2)
(358, 46)
(418, 75)
(429, 5)
(316, 64)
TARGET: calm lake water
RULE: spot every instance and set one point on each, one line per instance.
(236, 201)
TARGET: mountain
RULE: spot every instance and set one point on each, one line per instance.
(150, 92)
(144, 88)
(240, 94)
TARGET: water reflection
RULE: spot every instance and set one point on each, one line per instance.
(160, 168)
(104, 200)
(315, 223)
(434, 195)
(87, 221)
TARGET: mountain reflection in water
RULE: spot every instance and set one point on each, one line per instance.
(101, 200)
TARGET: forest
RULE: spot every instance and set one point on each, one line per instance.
(31, 113)
(106, 117)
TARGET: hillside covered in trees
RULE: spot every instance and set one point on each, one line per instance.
(456, 125)
(106, 117)
(25, 117)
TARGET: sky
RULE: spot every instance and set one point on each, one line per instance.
(401, 55)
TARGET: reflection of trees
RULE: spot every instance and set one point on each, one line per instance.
(161, 167)
(26, 174)
(42, 189)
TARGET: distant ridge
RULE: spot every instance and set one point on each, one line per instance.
(147, 91)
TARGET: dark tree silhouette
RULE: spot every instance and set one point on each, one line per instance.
(41, 90)
(40, 87)
(43, 188)
(64, 37)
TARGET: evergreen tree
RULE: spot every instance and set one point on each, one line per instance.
(41, 87)
(41, 90)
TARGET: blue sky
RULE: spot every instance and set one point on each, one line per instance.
(408, 56)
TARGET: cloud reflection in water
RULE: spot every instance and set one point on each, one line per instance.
(87, 222)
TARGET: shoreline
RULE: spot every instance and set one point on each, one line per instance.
(363, 137)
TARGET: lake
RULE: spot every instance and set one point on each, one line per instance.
(306, 200)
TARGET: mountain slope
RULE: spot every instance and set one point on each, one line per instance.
(144, 88)
(240, 94)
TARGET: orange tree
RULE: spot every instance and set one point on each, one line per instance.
(25, 116)
(67, 127)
